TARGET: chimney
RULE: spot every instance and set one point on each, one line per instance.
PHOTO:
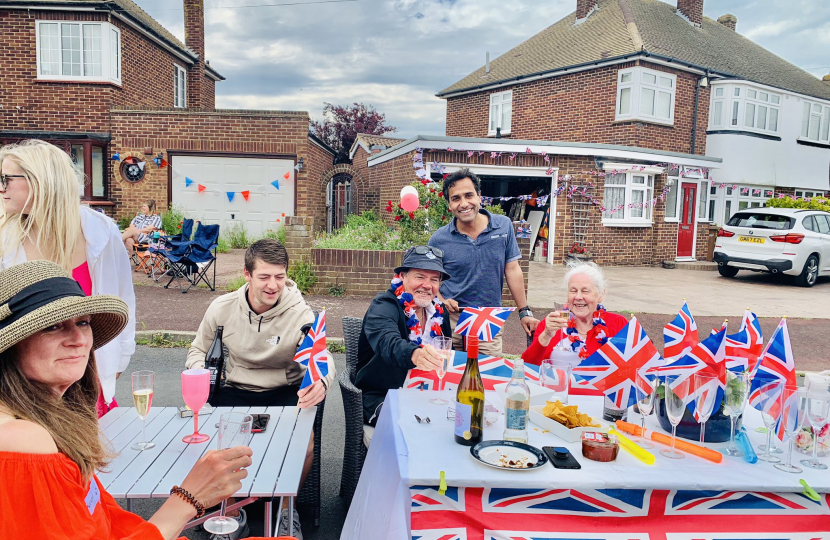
(730, 21)
(584, 8)
(691, 10)
(826, 79)
(194, 39)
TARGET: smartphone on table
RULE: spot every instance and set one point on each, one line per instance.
(561, 458)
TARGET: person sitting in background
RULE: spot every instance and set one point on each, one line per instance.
(589, 325)
(398, 329)
(50, 442)
(142, 226)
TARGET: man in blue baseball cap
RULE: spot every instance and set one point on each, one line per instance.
(399, 327)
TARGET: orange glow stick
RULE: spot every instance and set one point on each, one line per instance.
(691, 448)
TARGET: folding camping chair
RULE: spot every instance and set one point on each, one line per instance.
(195, 258)
(181, 238)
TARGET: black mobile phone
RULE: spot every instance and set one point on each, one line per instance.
(260, 422)
(561, 458)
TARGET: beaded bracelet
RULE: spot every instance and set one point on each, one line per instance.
(184, 494)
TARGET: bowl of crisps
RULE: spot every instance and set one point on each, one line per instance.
(564, 421)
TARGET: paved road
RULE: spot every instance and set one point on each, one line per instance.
(168, 364)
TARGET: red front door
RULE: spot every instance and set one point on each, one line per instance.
(686, 232)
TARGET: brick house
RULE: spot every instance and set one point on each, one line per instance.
(101, 78)
(628, 99)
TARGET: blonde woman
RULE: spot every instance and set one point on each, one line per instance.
(50, 444)
(142, 226)
(42, 218)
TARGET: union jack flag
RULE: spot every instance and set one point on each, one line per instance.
(680, 335)
(744, 348)
(776, 364)
(708, 503)
(614, 367)
(312, 352)
(484, 322)
(494, 370)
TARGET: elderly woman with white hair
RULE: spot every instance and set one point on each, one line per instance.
(587, 328)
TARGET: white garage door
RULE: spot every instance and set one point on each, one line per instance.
(266, 206)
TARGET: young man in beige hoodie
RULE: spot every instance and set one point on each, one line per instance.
(264, 323)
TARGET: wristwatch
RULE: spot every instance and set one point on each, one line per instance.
(525, 312)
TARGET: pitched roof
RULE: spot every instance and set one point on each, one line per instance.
(368, 141)
(622, 28)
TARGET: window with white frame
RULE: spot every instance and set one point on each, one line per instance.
(815, 122)
(501, 112)
(78, 51)
(803, 194)
(631, 191)
(753, 196)
(750, 109)
(672, 198)
(179, 86)
(645, 94)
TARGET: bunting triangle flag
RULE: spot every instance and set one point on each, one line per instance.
(187, 181)
(164, 163)
(201, 188)
(246, 194)
(230, 196)
(287, 175)
(276, 184)
(142, 164)
(116, 157)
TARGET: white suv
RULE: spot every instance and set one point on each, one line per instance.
(785, 240)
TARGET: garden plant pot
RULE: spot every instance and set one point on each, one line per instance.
(717, 427)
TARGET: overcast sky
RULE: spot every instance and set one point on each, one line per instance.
(396, 54)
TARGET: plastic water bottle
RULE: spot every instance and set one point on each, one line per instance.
(517, 405)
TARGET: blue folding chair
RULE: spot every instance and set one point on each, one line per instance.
(183, 237)
(196, 259)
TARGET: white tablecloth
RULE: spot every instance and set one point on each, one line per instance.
(405, 453)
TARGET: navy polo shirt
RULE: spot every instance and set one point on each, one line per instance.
(477, 266)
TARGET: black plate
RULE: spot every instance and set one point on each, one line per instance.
(480, 451)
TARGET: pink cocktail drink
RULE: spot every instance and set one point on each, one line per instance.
(195, 389)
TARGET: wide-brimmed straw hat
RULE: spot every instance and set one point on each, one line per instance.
(38, 294)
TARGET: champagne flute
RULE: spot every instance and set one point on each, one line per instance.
(705, 401)
(234, 430)
(818, 409)
(565, 313)
(444, 346)
(793, 401)
(737, 391)
(143, 398)
(645, 404)
(675, 407)
(772, 389)
(195, 389)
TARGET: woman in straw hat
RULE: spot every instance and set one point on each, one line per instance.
(50, 446)
(42, 218)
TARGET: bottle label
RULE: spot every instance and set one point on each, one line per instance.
(463, 417)
(515, 419)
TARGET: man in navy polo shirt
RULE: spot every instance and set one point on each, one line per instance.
(480, 251)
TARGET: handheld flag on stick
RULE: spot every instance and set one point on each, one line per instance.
(776, 364)
(745, 347)
(680, 335)
(312, 352)
(483, 322)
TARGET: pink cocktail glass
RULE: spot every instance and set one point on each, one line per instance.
(195, 389)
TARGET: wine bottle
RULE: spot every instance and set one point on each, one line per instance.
(517, 404)
(469, 400)
(215, 362)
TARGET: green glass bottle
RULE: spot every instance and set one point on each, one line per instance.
(469, 400)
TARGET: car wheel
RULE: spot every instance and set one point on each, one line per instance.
(727, 271)
(808, 276)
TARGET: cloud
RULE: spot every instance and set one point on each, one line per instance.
(396, 54)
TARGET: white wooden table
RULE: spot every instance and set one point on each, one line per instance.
(278, 454)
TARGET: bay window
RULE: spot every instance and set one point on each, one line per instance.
(750, 109)
(645, 94)
(78, 51)
(501, 112)
(815, 122)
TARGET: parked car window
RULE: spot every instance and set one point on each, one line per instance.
(809, 224)
(823, 224)
(758, 220)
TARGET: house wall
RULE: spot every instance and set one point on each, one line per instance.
(317, 163)
(580, 107)
(224, 132)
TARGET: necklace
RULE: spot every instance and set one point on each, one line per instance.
(410, 311)
(576, 342)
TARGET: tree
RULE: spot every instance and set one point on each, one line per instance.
(341, 124)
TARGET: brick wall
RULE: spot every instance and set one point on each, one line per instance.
(369, 194)
(580, 107)
(299, 237)
(221, 131)
(318, 163)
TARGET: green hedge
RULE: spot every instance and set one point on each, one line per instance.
(813, 204)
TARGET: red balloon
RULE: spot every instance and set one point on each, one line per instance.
(410, 202)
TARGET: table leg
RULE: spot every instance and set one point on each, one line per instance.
(268, 518)
(290, 516)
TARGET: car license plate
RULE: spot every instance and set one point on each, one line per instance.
(751, 240)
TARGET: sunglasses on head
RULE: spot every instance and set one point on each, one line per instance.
(423, 250)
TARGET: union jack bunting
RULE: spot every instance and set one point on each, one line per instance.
(312, 352)
(494, 370)
(744, 348)
(680, 335)
(614, 367)
(776, 364)
(484, 322)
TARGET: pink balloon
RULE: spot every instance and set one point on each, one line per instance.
(410, 202)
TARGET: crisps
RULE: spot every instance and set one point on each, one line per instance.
(567, 415)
